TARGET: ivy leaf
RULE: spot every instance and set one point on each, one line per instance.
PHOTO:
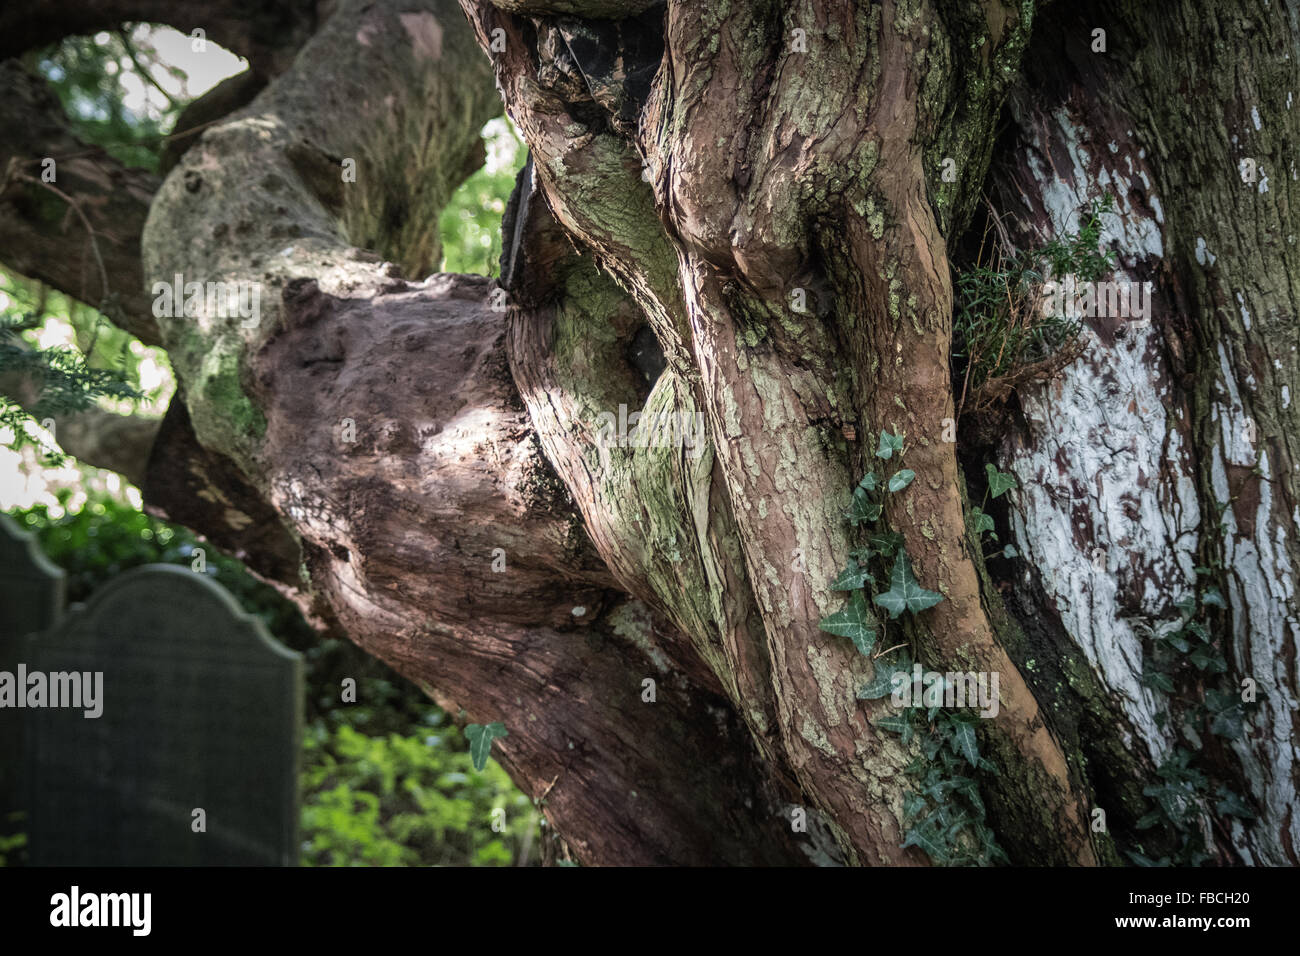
(480, 741)
(966, 787)
(854, 621)
(1214, 598)
(1172, 800)
(913, 804)
(851, 578)
(972, 793)
(1205, 656)
(870, 482)
(1186, 604)
(999, 481)
(982, 521)
(932, 744)
(1158, 681)
(881, 683)
(901, 479)
(925, 838)
(882, 679)
(889, 444)
(1010, 552)
(1218, 700)
(905, 592)
(1227, 724)
(953, 819)
(885, 543)
(897, 723)
(1231, 805)
(964, 743)
(864, 510)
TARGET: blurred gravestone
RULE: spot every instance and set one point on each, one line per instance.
(202, 710)
(31, 600)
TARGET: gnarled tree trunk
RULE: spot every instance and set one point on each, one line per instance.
(745, 214)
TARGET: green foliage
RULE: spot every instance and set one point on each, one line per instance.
(864, 509)
(101, 367)
(1081, 254)
(945, 814)
(13, 841)
(889, 444)
(851, 578)
(480, 741)
(66, 382)
(999, 483)
(92, 77)
(89, 75)
(882, 682)
(407, 801)
(1185, 656)
(856, 620)
(470, 225)
(982, 522)
(905, 592)
(86, 72)
(901, 479)
(1000, 334)
(1179, 799)
(384, 780)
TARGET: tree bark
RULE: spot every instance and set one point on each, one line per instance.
(712, 251)
(78, 231)
(400, 529)
(419, 458)
(1172, 445)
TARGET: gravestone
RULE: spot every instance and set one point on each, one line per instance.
(31, 600)
(201, 710)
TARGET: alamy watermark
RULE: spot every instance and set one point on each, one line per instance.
(950, 689)
(222, 300)
(75, 908)
(1078, 299)
(651, 430)
(82, 690)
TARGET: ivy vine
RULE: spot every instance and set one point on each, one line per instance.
(943, 813)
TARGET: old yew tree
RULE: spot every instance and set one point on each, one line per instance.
(878, 444)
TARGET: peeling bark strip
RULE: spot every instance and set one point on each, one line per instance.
(743, 211)
(1174, 445)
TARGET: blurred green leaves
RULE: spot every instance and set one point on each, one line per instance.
(470, 225)
(386, 781)
(407, 801)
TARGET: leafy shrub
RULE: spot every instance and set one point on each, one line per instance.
(406, 801)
